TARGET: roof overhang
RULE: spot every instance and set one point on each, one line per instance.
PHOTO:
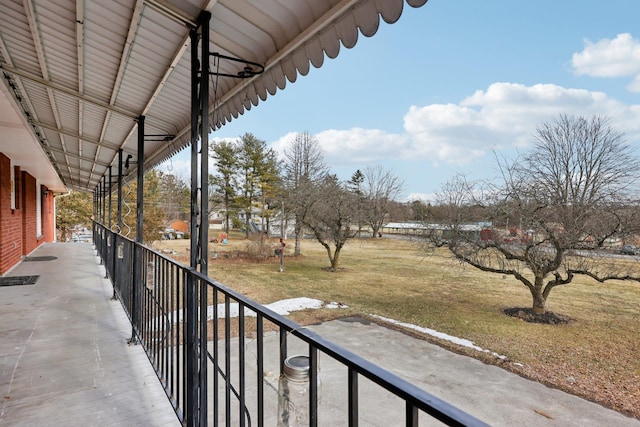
(19, 143)
(78, 73)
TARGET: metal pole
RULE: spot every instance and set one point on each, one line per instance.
(137, 259)
(99, 202)
(119, 219)
(120, 191)
(204, 144)
(96, 212)
(94, 216)
(103, 198)
(99, 215)
(191, 393)
(204, 209)
(108, 226)
(109, 195)
(140, 193)
(195, 67)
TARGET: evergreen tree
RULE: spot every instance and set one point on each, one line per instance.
(225, 180)
(72, 210)
(259, 174)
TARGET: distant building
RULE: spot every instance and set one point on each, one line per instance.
(179, 225)
(444, 229)
(217, 221)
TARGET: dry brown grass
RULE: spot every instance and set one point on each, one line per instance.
(594, 356)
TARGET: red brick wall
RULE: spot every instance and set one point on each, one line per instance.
(18, 226)
(48, 231)
(28, 198)
(10, 220)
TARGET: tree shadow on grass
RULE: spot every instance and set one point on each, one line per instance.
(528, 315)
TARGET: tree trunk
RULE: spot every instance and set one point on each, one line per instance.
(298, 234)
(335, 260)
(247, 224)
(539, 300)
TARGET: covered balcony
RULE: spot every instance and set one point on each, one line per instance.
(95, 90)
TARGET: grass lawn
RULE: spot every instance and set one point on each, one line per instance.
(595, 356)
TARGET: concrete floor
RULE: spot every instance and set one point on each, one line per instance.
(64, 358)
(489, 393)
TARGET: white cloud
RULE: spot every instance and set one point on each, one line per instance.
(282, 143)
(361, 146)
(619, 57)
(634, 86)
(179, 165)
(504, 116)
(352, 146)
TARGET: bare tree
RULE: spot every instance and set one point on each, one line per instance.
(380, 189)
(304, 168)
(568, 195)
(329, 217)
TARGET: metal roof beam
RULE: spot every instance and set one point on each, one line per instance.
(66, 91)
(172, 13)
(86, 172)
(42, 62)
(179, 54)
(104, 144)
(174, 62)
(80, 67)
(76, 156)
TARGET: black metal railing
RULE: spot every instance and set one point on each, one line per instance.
(221, 356)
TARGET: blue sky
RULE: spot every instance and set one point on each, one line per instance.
(438, 91)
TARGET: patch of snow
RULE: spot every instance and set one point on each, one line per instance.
(336, 305)
(286, 306)
(459, 341)
(283, 307)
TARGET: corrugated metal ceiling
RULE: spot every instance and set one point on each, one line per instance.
(82, 71)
